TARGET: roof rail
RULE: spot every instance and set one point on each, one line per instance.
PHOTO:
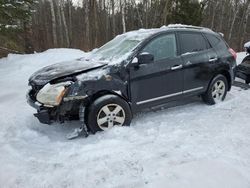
(187, 26)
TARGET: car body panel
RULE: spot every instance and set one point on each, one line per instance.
(52, 72)
(155, 83)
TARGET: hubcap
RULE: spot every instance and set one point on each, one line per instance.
(219, 90)
(110, 115)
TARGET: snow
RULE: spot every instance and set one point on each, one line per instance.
(92, 75)
(240, 57)
(121, 47)
(247, 45)
(193, 145)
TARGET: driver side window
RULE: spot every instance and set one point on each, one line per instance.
(162, 47)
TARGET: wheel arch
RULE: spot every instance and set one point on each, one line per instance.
(107, 92)
(228, 77)
(104, 94)
(101, 93)
(223, 73)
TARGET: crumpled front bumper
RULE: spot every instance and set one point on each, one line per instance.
(42, 114)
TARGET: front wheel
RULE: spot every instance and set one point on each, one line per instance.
(217, 90)
(106, 112)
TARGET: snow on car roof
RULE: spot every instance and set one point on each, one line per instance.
(141, 33)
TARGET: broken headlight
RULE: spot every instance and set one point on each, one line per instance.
(52, 94)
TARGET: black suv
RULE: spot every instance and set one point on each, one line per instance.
(136, 70)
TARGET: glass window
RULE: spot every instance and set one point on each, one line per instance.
(162, 47)
(216, 41)
(213, 39)
(192, 42)
(120, 46)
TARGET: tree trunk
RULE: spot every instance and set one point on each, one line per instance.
(86, 15)
(64, 23)
(137, 10)
(113, 18)
(70, 21)
(123, 7)
(60, 29)
(222, 15)
(214, 12)
(27, 38)
(232, 24)
(244, 30)
(96, 29)
(53, 20)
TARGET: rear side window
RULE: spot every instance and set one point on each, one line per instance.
(192, 42)
(162, 47)
(215, 41)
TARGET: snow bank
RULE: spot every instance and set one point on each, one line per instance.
(194, 145)
(240, 57)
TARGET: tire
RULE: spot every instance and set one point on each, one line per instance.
(106, 112)
(216, 91)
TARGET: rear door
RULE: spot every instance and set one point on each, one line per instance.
(198, 58)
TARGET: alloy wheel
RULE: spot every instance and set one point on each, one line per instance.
(218, 90)
(110, 115)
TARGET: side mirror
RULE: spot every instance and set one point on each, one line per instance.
(145, 58)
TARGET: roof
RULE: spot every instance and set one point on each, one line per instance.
(143, 33)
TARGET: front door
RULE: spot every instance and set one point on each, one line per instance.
(161, 81)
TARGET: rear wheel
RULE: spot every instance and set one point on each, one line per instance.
(217, 90)
(106, 112)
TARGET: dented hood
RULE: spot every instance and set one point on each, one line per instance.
(63, 69)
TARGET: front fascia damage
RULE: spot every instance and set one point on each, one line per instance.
(113, 80)
(83, 89)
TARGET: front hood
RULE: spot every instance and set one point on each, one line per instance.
(64, 69)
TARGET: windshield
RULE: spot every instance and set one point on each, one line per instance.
(116, 48)
(120, 46)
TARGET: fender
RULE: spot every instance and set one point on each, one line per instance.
(85, 89)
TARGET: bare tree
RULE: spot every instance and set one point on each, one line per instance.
(123, 9)
(53, 21)
(58, 23)
(244, 21)
(235, 12)
(65, 27)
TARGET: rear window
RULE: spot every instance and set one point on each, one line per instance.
(192, 42)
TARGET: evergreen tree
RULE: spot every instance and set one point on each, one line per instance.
(188, 12)
(15, 19)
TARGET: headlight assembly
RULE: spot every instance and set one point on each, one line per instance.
(51, 95)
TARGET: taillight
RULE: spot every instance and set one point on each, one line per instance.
(233, 53)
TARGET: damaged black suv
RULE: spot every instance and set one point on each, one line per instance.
(136, 70)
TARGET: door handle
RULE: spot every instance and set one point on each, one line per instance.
(176, 67)
(213, 59)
